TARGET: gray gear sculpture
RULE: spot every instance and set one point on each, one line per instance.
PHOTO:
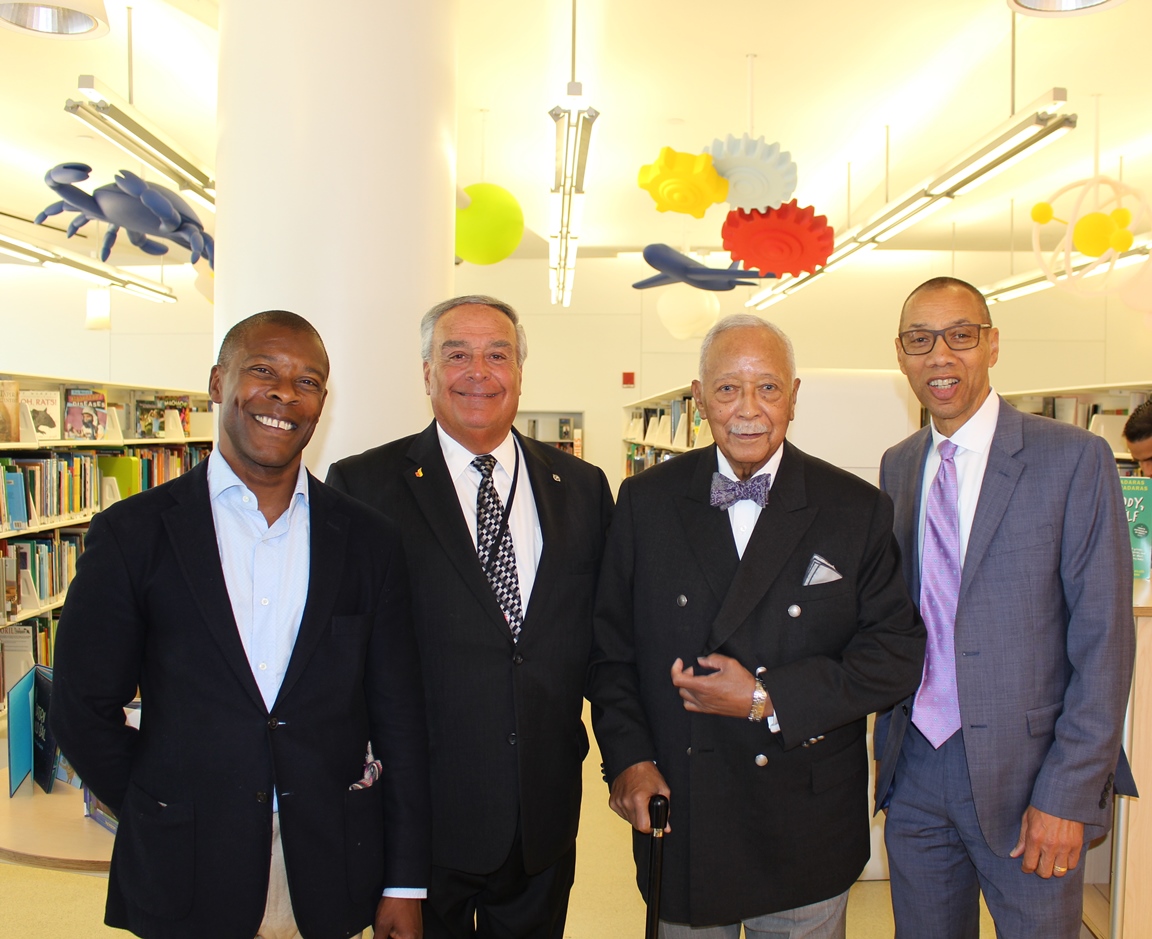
(759, 175)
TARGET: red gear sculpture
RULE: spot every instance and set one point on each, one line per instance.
(787, 240)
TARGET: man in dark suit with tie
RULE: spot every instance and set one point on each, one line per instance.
(265, 619)
(751, 614)
(504, 538)
(1001, 768)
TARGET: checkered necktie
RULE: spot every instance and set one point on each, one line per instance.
(501, 573)
(936, 710)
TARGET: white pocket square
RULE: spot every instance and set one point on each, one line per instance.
(821, 571)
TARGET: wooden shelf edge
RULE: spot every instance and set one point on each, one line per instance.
(54, 863)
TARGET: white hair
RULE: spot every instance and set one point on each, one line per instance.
(428, 323)
(740, 321)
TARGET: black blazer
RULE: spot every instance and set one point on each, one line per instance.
(761, 822)
(504, 721)
(193, 788)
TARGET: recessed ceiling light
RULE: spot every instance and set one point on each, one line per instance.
(1060, 7)
(79, 19)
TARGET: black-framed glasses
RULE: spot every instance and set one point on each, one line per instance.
(960, 337)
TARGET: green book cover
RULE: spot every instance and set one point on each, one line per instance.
(126, 471)
(1138, 507)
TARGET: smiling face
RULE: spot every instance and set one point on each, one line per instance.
(271, 391)
(951, 385)
(472, 376)
(748, 395)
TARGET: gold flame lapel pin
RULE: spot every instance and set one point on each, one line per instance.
(419, 472)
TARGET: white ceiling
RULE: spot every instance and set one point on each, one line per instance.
(829, 77)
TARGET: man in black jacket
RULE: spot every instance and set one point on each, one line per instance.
(751, 614)
(504, 538)
(265, 619)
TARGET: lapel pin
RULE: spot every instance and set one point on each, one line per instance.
(556, 477)
(419, 472)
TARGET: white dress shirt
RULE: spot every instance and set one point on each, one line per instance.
(744, 515)
(523, 519)
(973, 441)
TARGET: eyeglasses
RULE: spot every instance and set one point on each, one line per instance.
(959, 337)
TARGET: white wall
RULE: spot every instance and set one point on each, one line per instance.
(163, 345)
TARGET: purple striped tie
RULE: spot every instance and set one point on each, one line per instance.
(936, 710)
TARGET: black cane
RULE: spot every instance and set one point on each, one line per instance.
(658, 815)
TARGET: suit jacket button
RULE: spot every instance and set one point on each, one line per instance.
(689, 751)
(761, 759)
(517, 659)
(512, 739)
(794, 611)
(273, 723)
(1103, 802)
(681, 600)
(261, 797)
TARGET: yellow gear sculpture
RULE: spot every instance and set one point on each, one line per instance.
(683, 182)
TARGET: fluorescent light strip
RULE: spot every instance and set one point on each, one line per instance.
(894, 216)
(1035, 281)
(120, 124)
(20, 255)
(848, 255)
(566, 208)
(937, 203)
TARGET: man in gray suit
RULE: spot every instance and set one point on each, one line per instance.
(1001, 767)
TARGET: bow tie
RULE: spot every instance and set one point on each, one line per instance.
(727, 492)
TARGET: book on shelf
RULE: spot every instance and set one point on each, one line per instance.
(149, 419)
(15, 508)
(1138, 507)
(46, 415)
(85, 414)
(9, 411)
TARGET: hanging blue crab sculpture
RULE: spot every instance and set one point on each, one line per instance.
(140, 208)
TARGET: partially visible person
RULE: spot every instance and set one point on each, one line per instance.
(265, 619)
(504, 537)
(1001, 768)
(751, 614)
(1138, 436)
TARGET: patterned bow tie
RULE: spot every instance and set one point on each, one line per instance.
(727, 492)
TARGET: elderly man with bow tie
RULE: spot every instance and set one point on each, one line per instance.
(751, 614)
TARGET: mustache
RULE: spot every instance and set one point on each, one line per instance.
(747, 427)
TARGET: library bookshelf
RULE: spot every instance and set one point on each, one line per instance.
(51, 486)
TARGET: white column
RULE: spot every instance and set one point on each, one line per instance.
(336, 176)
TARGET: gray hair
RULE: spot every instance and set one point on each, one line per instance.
(428, 323)
(739, 321)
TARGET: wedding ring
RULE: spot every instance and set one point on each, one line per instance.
(1058, 869)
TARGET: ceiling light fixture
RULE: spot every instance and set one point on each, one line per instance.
(1034, 281)
(982, 161)
(566, 205)
(70, 19)
(1060, 7)
(89, 269)
(120, 123)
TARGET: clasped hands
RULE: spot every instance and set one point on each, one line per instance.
(726, 690)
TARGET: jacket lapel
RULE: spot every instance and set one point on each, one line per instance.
(707, 529)
(435, 494)
(329, 544)
(1000, 479)
(778, 531)
(551, 495)
(193, 535)
(906, 506)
